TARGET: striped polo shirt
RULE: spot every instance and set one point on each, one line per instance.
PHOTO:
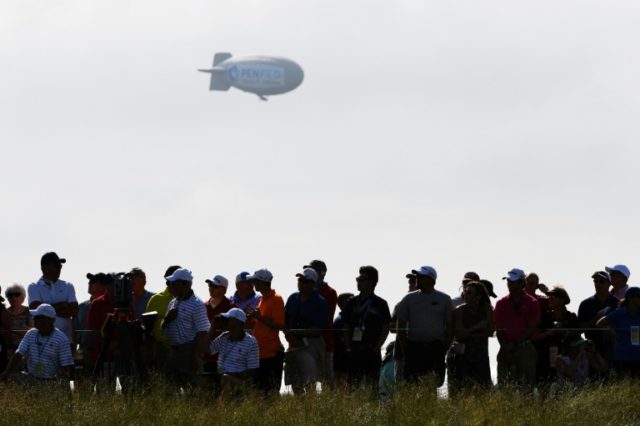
(236, 356)
(191, 319)
(45, 355)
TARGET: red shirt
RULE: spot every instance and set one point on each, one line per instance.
(331, 297)
(221, 308)
(514, 319)
(99, 308)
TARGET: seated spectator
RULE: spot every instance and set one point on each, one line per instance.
(20, 320)
(581, 357)
(625, 322)
(46, 349)
(238, 353)
(472, 327)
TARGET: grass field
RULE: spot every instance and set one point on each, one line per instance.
(615, 404)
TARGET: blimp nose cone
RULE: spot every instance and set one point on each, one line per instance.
(295, 76)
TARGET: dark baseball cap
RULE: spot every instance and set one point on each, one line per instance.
(489, 286)
(51, 257)
(100, 277)
(316, 264)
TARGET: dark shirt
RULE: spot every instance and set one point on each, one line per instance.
(312, 313)
(589, 310)
(370, 315)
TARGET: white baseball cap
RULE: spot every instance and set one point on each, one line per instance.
(181, 274)
(619, 268)
(308, 274)
(426, 271)
(514, 275)
(242, 277)
(235, 313)
(261, 275)
(218, 281)
(44, 310)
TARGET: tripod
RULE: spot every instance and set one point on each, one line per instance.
(129, 337)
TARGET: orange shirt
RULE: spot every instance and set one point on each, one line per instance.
(271, 307)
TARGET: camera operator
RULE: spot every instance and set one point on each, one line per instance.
(185, 326)
(101, 308)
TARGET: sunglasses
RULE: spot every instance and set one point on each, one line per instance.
(14, 294)
(601, 281)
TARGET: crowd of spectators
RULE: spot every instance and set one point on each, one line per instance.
(229, 344)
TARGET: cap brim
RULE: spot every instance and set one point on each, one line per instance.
(410, 275)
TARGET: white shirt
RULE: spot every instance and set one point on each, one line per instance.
(236, 356)
(191, 319)
(45, 355)
(59, 291)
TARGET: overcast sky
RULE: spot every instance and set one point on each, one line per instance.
(460, 134)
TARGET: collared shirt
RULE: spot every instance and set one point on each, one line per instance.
(159, 303)
(248, 302)
(312, 313)
(191, 320)
(141, 305)
(590, 309)
(45, 355)
(83, 336)
(427, 315)
(513, 318)
(57, 292)
(271, 307)
(236, 356)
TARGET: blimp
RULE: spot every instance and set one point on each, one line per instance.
(261, 75)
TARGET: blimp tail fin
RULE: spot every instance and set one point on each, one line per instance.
(220, 57)
(219, 79)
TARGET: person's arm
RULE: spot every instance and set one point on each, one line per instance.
(4, 323)
(201, 342)
(14, 363)
(66, 309)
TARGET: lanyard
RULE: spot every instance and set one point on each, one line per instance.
(40, 346)
(364, 311)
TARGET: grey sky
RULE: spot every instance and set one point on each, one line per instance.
(465, 135)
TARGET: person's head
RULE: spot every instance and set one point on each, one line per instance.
(97, 285)
(475, 294)
(244, 285)
(15, 294)
(631, 298)
(262, 280)
(320, 267)
(619, 275)
(367, 279)
(469, 277)
(51, 266)
(574, 346)
(531, 282)
(138, 281)
(170, 270)
(43, 318)
(488, 285)
(558, 297)
(343, 298)
(235, 319)
(426, 277)
(180, 282)
(515, 281)
(413, 284)
(601, 282)
(307, 280)
(217, 286)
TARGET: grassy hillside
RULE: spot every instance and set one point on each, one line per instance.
(413, 405)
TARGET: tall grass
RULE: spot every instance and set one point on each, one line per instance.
(413, 405)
